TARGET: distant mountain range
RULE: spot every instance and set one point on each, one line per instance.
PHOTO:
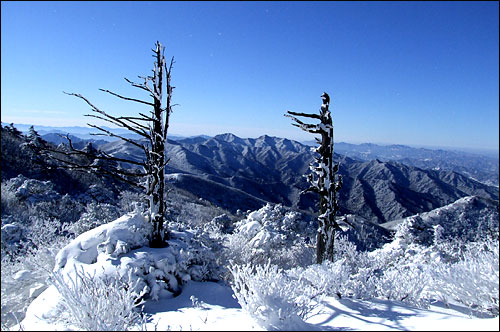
(226, 169)
(85, 133)
(381, 183)
(480, 167)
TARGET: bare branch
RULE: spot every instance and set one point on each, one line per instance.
(144, 86)
(314, 116)
(101, 154)
(127, 98)
(108, 117)
(115, 135)
(146, 117)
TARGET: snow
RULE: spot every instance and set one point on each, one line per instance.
(210, 306)
(119, 248)
(130, 229)
(37, 290)
(22, 275)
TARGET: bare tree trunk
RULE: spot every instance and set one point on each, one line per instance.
(157, 155)
(322, 179)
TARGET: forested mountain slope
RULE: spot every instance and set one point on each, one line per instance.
(271, 169)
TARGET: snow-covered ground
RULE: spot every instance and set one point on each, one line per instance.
(107, 268)
(210, 306)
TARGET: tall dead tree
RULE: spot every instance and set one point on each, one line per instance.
(323, 177)
(152, 127)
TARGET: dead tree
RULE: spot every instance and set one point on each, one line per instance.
(149, 173)
(322, 179)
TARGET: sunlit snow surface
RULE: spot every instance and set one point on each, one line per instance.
(210, 306)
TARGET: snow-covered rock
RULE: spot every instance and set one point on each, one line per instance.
(120, 248)
(11, 233)
(37, 290)
(33, 190)
(22, 275)
(130, 231)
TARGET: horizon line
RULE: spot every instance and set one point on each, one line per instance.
(424, 146)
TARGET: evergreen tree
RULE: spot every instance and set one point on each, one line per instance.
(13, 130)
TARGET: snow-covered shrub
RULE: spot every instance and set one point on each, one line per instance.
(33, 190)
(388, 273)
(12, 235)
(37, 233)
(121, 248)
(200, 254)
(354, 273)
(103, 303)
(98, 193)
(95, 215)
(32, 234)
(473, 280)
(24, 275)
(272, 233)
(8, 198)
(470, 218)
(129, 201)
(275, 299)
(406, 283)
(329, 278)
(23, 198)
(219, 225)
(188, 209)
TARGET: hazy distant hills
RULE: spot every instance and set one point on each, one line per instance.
(480, 167)
(58, 138)
(226, 169)
(245, 173)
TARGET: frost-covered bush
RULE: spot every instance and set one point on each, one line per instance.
(272, 233)
(219, 226)
(24, 275)
(275, 299)
(389, 273)
(130, 201)
(473, 280)
(38, 233)
(103, 303)
(95, 215)
(33, 190)
(201, 254)
(406, 283)
(352, 275)
(188, 209)
(99, 194)
(12, 235)
(121, 247)
(8, 198)
(24, 198)
(426, 261)
(471, 218)
(329, 278)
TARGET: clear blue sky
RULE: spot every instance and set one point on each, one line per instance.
(418, 73)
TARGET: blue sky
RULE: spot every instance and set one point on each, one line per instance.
(417, 73)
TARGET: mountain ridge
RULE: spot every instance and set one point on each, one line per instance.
(272, 168)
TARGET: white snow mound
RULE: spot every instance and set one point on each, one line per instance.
(117, 237)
